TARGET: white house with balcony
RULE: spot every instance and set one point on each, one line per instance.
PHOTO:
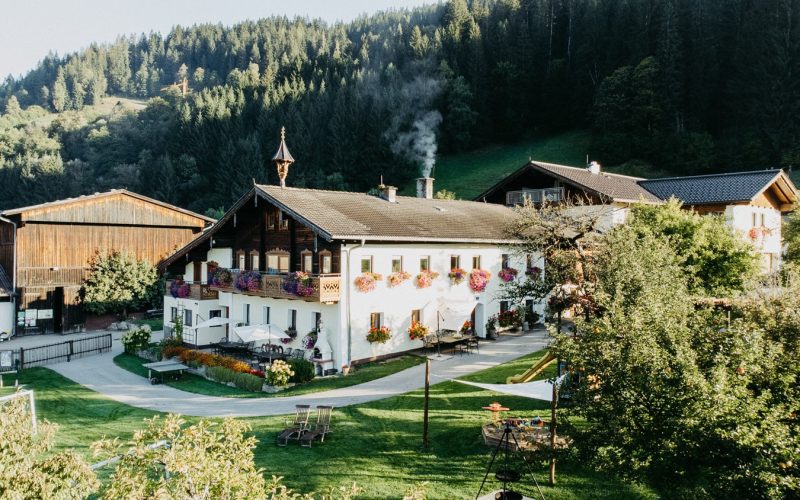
(303, 259)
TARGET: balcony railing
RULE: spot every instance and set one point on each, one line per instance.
(318, 288)
(549, 195)
(197, 291)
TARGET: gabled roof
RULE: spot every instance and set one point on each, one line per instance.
(734, 187)
(342, 215)
(613, 187)
(97, 196)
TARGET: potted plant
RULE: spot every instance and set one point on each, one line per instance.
(366, 282)
(425, 278)
(380, 335)
(211, 269)
(417, 331)
(478, 279)
(508, 274)
(457, 275)
(299, 283)
(222, 278)
(398, 277)
(292, 333)
(310, 340)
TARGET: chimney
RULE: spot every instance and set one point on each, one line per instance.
(425, 188)
(594, 168)
(389, 193)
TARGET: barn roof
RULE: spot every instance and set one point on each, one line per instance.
(731, 187)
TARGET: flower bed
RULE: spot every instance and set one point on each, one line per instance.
(249, 281)
(366, 282)
(417, 331)
(380, 335)
(195, 358)
(179, 289)
(398, 278)
(508, 274)
(457, 275)
(425, 279)
(478, 279)
(298, 283)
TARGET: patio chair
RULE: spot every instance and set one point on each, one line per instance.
(299, 354)
(429, 342)
(288, 352)
(296, 427)
(322, 427)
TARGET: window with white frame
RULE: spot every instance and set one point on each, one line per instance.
(307, 261)
(455, 261)
(173, 313)
(292, 320)
(476, 262)
(416, 316)
(254, 263)
(503, 306)
(325, 262)
(240, 260)
(397, 263)
(366, 264)
(277, 262)
(317, 319)
(246, 314)
(376, 320)
(187, 317)
(425, 263)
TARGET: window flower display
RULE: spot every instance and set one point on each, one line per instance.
(508, 274)
(478, 279)
(398, 277)
(534, 272)
(381, 334)
(425, 279)
(457, 275)
(366, 282)
(466, 328)
(298, 283)
(309, 341)
(179, 289)
(417, 331)
(249, 281)
(222, 278)
(292, 333)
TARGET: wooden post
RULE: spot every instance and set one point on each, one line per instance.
(427, 398)
(553, 404)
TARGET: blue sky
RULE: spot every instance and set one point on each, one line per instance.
(29, 29)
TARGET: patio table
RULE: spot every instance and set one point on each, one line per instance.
(162, 368)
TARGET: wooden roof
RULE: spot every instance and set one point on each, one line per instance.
(118, 207)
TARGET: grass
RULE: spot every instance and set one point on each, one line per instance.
(377, 445)
(200, 385)
(499, 374)
(469, 174)
(155, 324)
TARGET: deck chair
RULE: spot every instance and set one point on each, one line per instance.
(296, 427)
(322, 427)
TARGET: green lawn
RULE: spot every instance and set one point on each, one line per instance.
(377, 444)
(155, 324)
(200, 385)
(469, 174)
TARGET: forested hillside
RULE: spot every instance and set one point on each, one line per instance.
(688, 86)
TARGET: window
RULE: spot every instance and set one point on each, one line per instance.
(416, 316)
(278, 262)
(173, 313)
(254, 264)
(476, 262)
(762, 220)
(187, 317)
(506, 261)
(240, 259)
(376, 320)
(366, 264)
(293, 319)
(266, 315)
(215, 313)
(325, 261)
(247, 314)
(455, 261)
(503, 306)
(397, 263)
(283, 222)
(271, 220)
(307, 261)
(529, 308)
(425, 263)
(529, 260)
(755, 219)
(317, 316)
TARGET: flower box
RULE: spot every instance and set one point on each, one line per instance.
(425, 279)
(366, 282)
(380, 335)
(457, 275)
(478, 279)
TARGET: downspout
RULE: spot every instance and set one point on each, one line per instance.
(347, 288)
(13, 277)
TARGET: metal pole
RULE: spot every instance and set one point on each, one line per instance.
(553, 404)
(427, 399)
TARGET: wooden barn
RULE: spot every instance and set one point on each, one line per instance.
(46, 249)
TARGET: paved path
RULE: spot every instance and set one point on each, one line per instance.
(100, 374)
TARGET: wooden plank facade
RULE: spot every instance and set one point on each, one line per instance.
(56, 241)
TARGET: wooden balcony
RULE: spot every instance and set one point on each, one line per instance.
(319, 288)
(197, 291)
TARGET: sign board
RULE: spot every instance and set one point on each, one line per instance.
(6, 360)
(30, 317)
(20, 318)
(45, 314)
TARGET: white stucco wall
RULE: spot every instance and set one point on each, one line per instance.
(6, 317)
(223, 257)
(200, 312)
(740, 218)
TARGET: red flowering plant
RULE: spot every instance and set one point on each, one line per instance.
(478, 279)
(508, 274)
(380, 335)
(457, 275)
(466, 328)
(417, 330)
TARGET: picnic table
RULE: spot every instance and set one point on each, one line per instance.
(162, 368)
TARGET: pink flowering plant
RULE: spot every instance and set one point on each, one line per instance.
(222, 278)
(457, 275)
(425, 279)
(309, 341)
(179, 289)
(508, 274)
(398, 277)
(366, 281)
(249, 281)
(478, 279)
(299, 283)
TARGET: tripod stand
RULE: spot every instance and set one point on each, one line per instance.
(505, 474)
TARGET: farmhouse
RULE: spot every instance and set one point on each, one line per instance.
(45, 251)
(751, 202)
(342, 262)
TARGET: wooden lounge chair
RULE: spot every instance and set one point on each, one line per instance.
(322, 427)
(297, 427)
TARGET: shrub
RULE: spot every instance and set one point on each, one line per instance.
(279, 373)
(136, 339)
(172, 351)
(220, 374)
(248, 382)
(303, 370)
